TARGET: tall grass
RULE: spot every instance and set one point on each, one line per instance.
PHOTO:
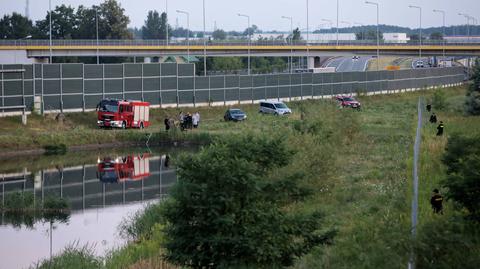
(358, 165)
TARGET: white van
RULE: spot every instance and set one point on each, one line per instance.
(276, 108)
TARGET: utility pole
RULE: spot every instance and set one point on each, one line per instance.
(420, 38)
(188, 32)
(249, 38)
(50, 28)
(378, 32)
(444, 44)
(204, 43)
(291, 41)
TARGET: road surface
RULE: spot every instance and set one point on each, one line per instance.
(348, 64)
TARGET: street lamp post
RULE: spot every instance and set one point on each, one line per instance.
(378, 32)
(443, 16)
(96, 22)
(308, 36)
(468, 24)
(338, 12)
(50, 28)
(188, 32)
(330, 22)
(420, 38)
(249, 38)
(166, 21)
(204, 43)
(291, 41)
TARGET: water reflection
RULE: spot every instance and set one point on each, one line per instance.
(100, 189)
(137, 177)
(125, 168)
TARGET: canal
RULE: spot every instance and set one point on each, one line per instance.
(101, 188)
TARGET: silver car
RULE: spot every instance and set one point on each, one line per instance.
(276, 108)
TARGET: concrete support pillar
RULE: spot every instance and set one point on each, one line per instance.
(311, 62)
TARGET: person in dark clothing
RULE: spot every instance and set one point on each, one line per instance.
(437, 202)
(167, 124)
(167, 161)
(429, 107)
(433, 118)
(440, 129)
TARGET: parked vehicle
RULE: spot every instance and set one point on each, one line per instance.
(123, 114)
(348, 101)
(273, 107)
(234, 114)
(125, 168)
(419, 64)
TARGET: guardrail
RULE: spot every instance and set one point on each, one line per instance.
(138, 42)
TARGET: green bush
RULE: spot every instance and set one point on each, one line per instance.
(226, 210)
(72, 257)
(462, 159)
(141, 224)
(472, 103)
(445, 243)
(439, 100)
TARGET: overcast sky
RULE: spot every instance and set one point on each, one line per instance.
(267, 13)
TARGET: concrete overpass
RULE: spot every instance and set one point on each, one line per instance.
(41, 49)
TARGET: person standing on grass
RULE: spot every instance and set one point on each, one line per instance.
(181, 119)
(433, 118)
(196, 120)
(437, 202)
(429, 107)
(167, 124)
(440, 129)
(167, 161)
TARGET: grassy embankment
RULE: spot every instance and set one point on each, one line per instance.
(358, 164)
(404, 63)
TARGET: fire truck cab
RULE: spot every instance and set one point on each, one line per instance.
(123, 114)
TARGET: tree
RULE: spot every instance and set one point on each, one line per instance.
(227, 209)
(64, 24)
(251, 31)
(87, 23)
(368, 35)
(227, 64)
(219, 34)
(114, 22)
(462, 159)
(156, 26)
(153, 25)
(15, 26)
(297, 35)
(436, 36)
(472, 103)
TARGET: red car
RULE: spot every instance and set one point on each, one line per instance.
(348, 101)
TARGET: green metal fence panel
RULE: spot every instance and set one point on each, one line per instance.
(79, 86)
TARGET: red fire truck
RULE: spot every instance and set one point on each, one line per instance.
(123, 114)
(127, 168)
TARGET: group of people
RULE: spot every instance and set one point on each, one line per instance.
(186, 121)
(433, 120)
(436, 201)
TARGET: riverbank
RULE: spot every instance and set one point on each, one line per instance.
(357, 163)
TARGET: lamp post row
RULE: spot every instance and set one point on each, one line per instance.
(468, 17)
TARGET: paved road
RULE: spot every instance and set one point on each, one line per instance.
(347, 64)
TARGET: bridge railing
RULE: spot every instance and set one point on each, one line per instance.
(242, 42)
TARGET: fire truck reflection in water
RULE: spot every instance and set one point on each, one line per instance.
(127, 168)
